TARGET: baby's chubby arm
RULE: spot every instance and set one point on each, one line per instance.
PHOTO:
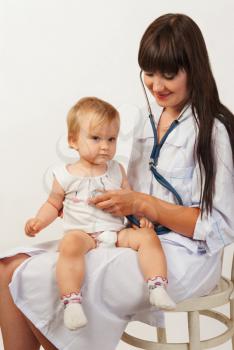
(124, 185)
(144, 222)
(48, 212)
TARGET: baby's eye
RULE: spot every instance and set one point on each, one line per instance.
(112, 139)
(96, 138)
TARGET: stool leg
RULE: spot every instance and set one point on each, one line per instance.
(194, 330)
(232, 318)
(161, 334)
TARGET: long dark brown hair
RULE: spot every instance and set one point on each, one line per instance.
(173, 42)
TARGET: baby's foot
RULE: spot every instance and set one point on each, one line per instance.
(160, 298)
(74, 316)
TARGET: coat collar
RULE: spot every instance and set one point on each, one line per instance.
(144, 130)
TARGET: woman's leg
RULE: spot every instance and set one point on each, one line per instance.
(47, 345)
(17, 332)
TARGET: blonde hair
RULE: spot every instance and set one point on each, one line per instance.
(101, 112)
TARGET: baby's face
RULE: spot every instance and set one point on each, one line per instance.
(97, 143)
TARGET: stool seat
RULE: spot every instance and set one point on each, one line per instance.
(195, 307)
(219, 296)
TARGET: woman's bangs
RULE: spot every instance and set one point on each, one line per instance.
(162, 55)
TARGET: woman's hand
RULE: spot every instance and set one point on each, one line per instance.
(118, 202)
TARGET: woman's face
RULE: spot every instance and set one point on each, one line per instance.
(170, 91)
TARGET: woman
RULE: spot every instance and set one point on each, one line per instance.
(196, 158)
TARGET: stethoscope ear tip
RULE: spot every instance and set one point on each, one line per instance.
(145, 93)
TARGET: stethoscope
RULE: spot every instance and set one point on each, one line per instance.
(153, 161)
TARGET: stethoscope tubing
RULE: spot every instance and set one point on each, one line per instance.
(153, 164)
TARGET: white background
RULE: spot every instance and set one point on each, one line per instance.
(52, 53)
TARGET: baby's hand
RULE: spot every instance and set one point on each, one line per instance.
(145, 223)
(33, 226)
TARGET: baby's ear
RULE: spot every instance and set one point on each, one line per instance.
(72, 141)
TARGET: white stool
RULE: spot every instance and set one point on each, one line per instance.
(223, 294)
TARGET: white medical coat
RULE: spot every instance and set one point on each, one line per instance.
(114, 291)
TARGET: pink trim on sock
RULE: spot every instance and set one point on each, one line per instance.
(74, 297)
(70, 295)
(163, 279)
(157, 281)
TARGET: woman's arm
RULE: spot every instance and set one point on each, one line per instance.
(126, 202)
(125, 183)
(178, 218)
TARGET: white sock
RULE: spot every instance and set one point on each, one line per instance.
(158, 295)
(74, 316)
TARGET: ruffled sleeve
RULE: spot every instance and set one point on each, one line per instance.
(61, 175)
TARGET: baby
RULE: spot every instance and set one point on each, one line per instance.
(93, 127)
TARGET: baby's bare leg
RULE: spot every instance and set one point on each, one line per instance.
(71, 263)
(151, 256)
(70, 275)
(152, 262)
